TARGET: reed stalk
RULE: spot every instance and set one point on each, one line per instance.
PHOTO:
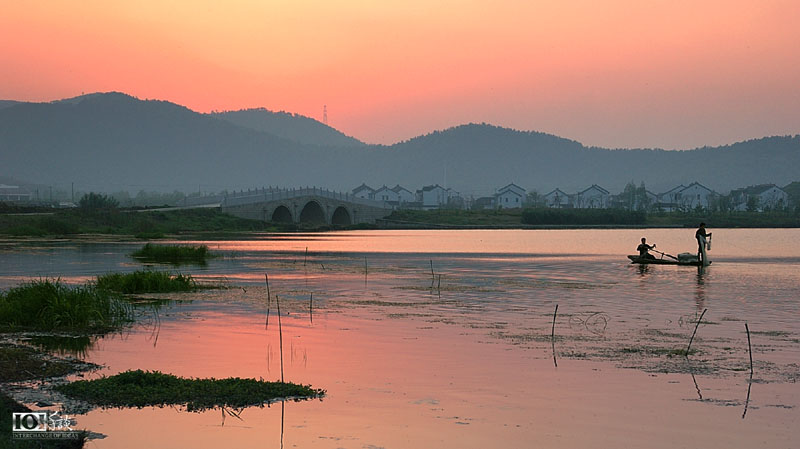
(749, 347)
(695, 331)
(280, 333)
(266, 323)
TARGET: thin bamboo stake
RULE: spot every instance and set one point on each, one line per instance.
(311, 308)
(283, 411)
(266, 323)
(750, 381)
(695, 331)
(749, 347)
(433, 276)
(280, 332)
(553, 337)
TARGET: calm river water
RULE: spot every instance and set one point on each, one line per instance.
(443, 339)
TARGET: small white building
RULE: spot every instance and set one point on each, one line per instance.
(671, 199)
(696, 195)
(13, 194)
(386, 195)
(594, 197)
(557, 198)
(433, 197)
(403, 195)
(484, 202)
(510, 197)
(364, 191)
(764, 197)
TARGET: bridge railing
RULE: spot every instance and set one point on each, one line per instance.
(273, 194)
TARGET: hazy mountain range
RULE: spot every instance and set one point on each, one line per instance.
(112, 141)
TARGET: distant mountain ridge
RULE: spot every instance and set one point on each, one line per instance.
(290, 126)
(112, 141)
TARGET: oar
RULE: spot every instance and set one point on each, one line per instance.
(664, 254)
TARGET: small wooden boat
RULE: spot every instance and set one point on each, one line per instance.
(636, 259)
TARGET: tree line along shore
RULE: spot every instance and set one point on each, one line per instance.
(16, 222)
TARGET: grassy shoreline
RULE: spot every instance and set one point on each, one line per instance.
(51, 305)
(211, 224)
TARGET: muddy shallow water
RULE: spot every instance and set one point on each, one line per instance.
(463, 357)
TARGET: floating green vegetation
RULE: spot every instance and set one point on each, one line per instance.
(655, 351)
(146, 281)
(772, 333)
(173, 254)
(152, 388)
(51, 305)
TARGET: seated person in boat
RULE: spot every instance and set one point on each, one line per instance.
(702, 236)
(644, 248)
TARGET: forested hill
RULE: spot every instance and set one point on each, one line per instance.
(112, 141)
(289, 126)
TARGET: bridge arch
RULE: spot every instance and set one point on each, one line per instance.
(282, 214)
(341, 216)
(312, 213)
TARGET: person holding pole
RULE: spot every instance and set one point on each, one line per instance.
(701, 235)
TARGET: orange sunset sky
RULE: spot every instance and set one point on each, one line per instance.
(669, 74)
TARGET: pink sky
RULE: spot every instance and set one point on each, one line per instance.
(670, 74)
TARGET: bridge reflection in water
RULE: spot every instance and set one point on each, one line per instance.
(309, 206)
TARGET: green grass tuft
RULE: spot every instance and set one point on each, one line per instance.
(50, 305)
(173, 254)
(146, 281)
(152, 388)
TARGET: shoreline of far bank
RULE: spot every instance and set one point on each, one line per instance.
(213, 224)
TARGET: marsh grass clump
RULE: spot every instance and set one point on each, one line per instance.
(146, 281)
(51, 305)
(173, 254)
(152, 388)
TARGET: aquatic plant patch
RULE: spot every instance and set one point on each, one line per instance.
(173, 254)
(146, 281)
(152, 388)
(50, 305)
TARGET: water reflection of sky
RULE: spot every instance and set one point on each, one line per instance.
(457, 365)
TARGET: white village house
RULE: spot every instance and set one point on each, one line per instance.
(395, 196)
(557, 198)
(510, 197)
(403, 195)
(696, 195)
(364, 191)
(594, 197)
(386, 195)
(762, 197)
(670, 200)
(432, 197)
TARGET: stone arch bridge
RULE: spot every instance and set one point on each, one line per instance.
(308, 205)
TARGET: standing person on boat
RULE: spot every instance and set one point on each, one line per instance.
(701, 235)
(643, 249)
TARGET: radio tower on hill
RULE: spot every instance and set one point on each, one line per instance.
(325, 114)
